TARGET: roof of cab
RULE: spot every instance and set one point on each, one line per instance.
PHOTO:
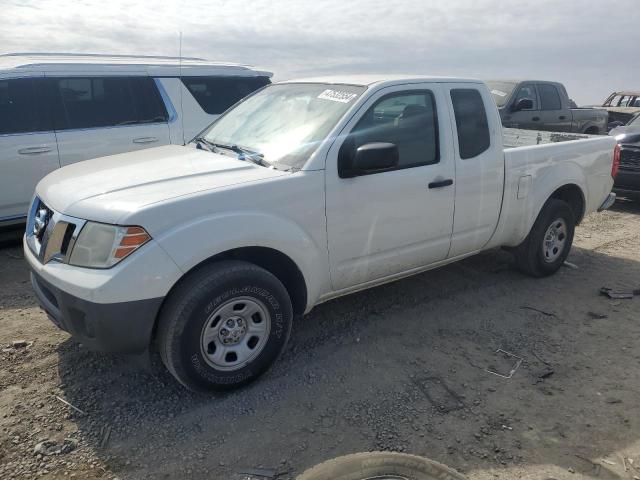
(381, 79)
(631, 93)
(70, 62)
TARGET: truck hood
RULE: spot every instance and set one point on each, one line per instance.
(105, 189)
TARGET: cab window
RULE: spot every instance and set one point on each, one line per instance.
(549, 97)
(217, 94)
(471, 122)
(91, 102)
(21, 110)
(406, 119)
(527, 91)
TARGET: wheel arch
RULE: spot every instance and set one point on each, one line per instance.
(591, 129)
(573, 195)
(272, 260)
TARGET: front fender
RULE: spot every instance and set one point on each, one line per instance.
(192, 243)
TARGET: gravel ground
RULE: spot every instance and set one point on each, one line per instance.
(402, 367)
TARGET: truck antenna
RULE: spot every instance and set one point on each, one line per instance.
(181, 86)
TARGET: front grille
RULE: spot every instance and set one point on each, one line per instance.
(630, 159)
(51, 235)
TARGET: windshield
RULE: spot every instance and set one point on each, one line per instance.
(284, 123)
(635, 121)
(501, 90)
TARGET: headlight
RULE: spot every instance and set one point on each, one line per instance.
(100, 245)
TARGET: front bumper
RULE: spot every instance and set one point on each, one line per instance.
(124, 327)
(112, 310)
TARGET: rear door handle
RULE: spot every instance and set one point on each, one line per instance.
(145, 140)
(441, 183)
(562, 117)
(535, 119)
(34, 150)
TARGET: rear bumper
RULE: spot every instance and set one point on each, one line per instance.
(627, 181)
(610, 200)
(109, 327)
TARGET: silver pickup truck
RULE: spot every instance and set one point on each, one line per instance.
(541, 105)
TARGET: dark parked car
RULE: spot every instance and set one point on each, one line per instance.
(541, 105)
(628, 178)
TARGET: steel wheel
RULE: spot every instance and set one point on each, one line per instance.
(554, 240)
(386, 477)
(235, 333)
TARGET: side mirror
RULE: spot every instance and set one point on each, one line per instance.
(523, 104)
(369, 158)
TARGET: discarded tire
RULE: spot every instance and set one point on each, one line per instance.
(380, 466)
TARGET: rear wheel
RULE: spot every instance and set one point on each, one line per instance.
(380, 466)
(548, 244)
(224, 325)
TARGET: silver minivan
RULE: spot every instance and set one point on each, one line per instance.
(60, 109)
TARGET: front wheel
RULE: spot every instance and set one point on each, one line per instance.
(380, 466)
(224, 325)
(548, 244)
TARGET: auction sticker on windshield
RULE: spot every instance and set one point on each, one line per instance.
(337, 96)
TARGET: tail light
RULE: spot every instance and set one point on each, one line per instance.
(616, 161)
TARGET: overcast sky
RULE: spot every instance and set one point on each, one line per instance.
(590, 45)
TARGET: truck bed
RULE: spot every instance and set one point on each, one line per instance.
(535, 168)
(516, 137)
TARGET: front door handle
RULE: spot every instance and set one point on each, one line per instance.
(562, 117)
(535, 119)
(34, 150)
(145, 140)
(441, 183)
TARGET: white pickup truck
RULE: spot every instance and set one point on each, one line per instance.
(303, 192)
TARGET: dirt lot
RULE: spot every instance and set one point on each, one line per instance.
(401, 367)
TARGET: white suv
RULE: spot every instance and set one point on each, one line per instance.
(61, 109)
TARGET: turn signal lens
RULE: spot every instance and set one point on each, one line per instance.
(617, 152)
(133, 238)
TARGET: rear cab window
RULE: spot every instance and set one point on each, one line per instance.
(217, 94)
(549, 97)
(471, 122)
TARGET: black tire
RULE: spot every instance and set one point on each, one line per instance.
(362, 466)
(192, 304)
(530, 256)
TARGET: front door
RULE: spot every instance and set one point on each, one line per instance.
(389, 222)
(528, 119)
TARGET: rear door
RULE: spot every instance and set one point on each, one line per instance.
(392, 221)
(99, 116)
(28, 148)
(479, 164)
(554, 116)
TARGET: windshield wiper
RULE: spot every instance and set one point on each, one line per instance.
(244, 153)
(200, 141)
